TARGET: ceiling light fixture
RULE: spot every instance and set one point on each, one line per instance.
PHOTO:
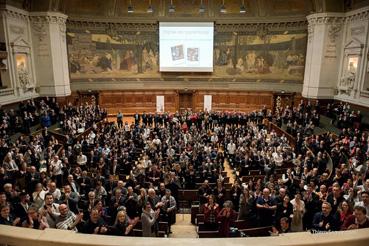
(172, 9)
(130, 7)
(150, 8)
(202, 8)
(243, 8)
(223, 8)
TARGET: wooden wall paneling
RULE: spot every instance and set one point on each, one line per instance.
(131, 101)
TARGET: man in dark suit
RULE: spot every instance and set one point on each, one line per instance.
(311, 206)
(144, 118)
(70, 198)
(116, 201)
(21, 208)
(325, 221)
(137, 118)
(32, 178)
(204, 192)
(84, 183)
(335, 198)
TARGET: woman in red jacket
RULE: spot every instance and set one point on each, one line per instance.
(211, 210)
(226, 216)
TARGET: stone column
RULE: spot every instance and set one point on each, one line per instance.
(323, 55)
(49, 39)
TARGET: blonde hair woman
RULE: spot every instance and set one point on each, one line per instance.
(298, 213)
(121, 226)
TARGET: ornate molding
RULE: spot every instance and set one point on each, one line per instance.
(153, 26)
(256, 27)
(133, 27)
(39, 29)
(357, 15)
(320, 19)
(15, 13)
(310, 32)
(6, 92)
(40, 21)
(49, 19)
(334, 22)
(334, 31)
(16, 29)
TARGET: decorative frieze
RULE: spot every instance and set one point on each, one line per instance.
(310, 32)
(144, 27)
(60, 19)
(153, 27)
(15, 13)
(247, 27)
(39, 29)
(16, 29)
(334, 31)
(357, 15)
(355, 31)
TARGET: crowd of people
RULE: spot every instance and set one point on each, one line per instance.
(299, 120)
(43, 111)
(117, 178)
(343, 116)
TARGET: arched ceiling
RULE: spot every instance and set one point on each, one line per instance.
(258, 9)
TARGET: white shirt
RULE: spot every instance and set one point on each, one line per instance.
(231, 147)
(56, 194)
(81, 160)
(56, 167)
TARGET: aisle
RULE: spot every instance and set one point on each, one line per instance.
(229, 171)
(183, 227)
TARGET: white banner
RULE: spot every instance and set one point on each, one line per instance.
(160, 104)
(207, 102)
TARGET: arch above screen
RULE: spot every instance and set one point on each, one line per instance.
(186, 46)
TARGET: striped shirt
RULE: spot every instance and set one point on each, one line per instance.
(66, 222)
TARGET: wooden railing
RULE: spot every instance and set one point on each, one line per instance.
(273, 127)
(17, 236)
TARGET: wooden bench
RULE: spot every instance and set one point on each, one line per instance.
(241, 224)
(256, 232)
(189, 196)
(200, 218)
(246, 179)
(208, 234)
(163, 229)
(195, 209)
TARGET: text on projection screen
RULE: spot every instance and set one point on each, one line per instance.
(186, 47)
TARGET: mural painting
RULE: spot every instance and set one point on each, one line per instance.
(276, 56)
(250, 56)
(94, 55)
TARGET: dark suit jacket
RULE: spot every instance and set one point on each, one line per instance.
(72, 201)
(84, 189)
(20, 212)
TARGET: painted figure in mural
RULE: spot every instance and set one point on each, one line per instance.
(129, 61)
(105, 62)
(153, 60)
(149, 62)
(239, 66)
(223, 59)
(75, 67)
(250, 61)
(145, 60)
(216, 56)
(295, 63)
(262, 65)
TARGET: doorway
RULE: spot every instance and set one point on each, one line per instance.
(185, 101)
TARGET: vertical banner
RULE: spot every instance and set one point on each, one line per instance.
(207, 102)
(160, 104)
